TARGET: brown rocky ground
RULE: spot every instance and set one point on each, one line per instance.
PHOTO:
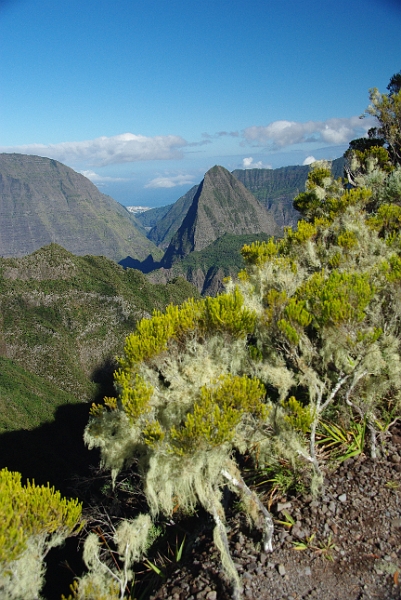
(352, 539)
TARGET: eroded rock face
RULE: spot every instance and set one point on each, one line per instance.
(43, 201)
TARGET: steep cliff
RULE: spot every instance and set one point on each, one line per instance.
(44, 201)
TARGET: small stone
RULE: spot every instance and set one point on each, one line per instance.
(395, 458)
(211, 595)
(262, 558)
(283, 506)
(281, 569)
(342, 498)
(308, 571)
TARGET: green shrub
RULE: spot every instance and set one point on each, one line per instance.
(34, 519)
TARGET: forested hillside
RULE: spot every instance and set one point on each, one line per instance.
(64, 319)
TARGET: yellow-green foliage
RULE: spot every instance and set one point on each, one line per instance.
(217, 413)
(298, 416)
(289, 331)
(337, 298)
(305, 231)
(374, 157)
(325, 198)
(226, 313)
(258, 253)
(33, 520)
(135, 394)
(347, 240)
(354, 197)
(31, 510)
(275, 302)
(152, 335)
(387, 220)
(392, 268)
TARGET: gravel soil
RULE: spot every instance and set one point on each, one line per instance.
(352, 539)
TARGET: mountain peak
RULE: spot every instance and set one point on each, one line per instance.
(221, 205)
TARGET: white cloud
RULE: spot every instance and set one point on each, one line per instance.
(288, 133)
(309, 160)
(102, 151)
(170, 181)
(95, 178)
(247, 163)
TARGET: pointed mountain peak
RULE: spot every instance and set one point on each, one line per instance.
(222, 204)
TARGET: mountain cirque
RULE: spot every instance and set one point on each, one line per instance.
(44, 201)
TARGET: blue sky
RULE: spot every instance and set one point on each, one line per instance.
(145, 96)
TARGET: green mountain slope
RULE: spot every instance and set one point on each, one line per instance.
(44, 201)
(150, 218)
(27, 400)
(207, 268)
(64, 318)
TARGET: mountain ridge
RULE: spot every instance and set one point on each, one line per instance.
(43, 201)
(274, 188)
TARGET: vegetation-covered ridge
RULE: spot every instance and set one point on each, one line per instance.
(64, 318)
(206, 269)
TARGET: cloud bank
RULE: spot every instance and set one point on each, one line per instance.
(103, 151)
(170, 181)
(287, 133)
